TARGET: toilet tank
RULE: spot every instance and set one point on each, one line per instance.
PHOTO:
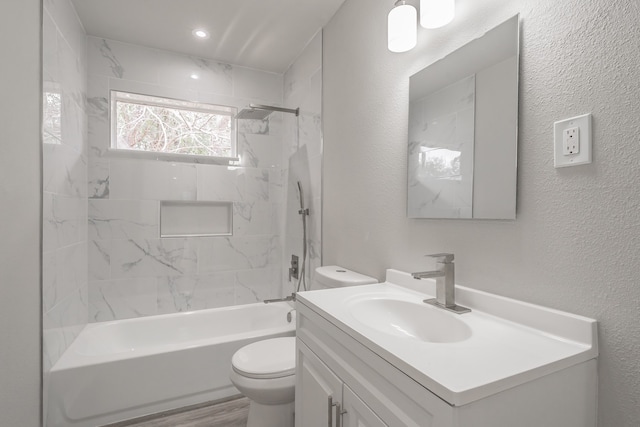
(334, 276)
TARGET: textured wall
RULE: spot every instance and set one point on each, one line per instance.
(20, 183)
(575, 244)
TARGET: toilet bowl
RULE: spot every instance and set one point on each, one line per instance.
(264, 371)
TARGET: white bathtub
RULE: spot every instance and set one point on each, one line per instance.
(124, 369)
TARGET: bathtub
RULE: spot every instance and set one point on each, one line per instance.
(129, 368)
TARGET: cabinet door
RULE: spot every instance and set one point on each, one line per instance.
(356, 413)
(318, 391)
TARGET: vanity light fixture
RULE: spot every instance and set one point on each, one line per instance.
(402, 27)
(436, 13)
(199, 33)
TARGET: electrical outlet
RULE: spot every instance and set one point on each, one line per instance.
(572, 141)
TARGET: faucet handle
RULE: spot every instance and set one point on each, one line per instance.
(442, 258)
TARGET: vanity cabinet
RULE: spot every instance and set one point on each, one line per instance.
(318, 388)
(356, 413)
(342, 379)
(338, 377)
(324, 400)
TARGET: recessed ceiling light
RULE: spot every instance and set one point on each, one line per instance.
(194, 76)
(199, 33)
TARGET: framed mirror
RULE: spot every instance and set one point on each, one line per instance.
(463, 130)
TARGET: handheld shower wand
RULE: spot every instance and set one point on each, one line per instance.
(304, 212)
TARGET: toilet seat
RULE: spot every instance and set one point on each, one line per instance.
(272, 358)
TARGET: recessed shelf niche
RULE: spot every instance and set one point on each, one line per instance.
(195, 218)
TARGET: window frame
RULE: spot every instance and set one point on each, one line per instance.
(112, 149)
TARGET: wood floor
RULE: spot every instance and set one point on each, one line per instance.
(231, 413)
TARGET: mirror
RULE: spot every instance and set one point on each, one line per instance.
(463, 120)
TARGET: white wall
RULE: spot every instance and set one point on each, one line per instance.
(20, 183)
(575, 244)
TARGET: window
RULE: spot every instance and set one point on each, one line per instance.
(51, 113)
(171, 128)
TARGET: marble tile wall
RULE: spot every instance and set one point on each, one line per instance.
(132, 271)
(65, 158)
(302, 160)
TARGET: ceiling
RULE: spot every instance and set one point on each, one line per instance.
(263, 34)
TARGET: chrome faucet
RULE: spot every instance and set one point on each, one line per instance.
(445, 283)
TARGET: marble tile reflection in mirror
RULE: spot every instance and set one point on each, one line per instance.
(462, 146)
(441, 152)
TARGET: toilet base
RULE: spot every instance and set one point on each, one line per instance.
(270, 415)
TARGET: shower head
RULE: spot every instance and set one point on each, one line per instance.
(261, 112)
(250, 113)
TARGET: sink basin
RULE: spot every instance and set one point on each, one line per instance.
(501, 344)
(407, 319)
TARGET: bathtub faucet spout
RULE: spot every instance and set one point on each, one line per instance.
(291, 297)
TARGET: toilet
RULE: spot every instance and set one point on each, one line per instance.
(264, 371)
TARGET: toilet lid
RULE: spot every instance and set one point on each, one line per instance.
(272, 358)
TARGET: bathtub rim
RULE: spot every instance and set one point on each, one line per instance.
(71, 359)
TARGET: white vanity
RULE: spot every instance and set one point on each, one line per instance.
(376, 355)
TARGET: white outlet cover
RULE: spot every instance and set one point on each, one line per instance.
(583, 157)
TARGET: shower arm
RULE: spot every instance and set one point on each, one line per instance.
(295, 111)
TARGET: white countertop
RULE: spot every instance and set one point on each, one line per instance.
(511, 343)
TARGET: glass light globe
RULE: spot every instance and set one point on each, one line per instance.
(436, 13)
(402, 28)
